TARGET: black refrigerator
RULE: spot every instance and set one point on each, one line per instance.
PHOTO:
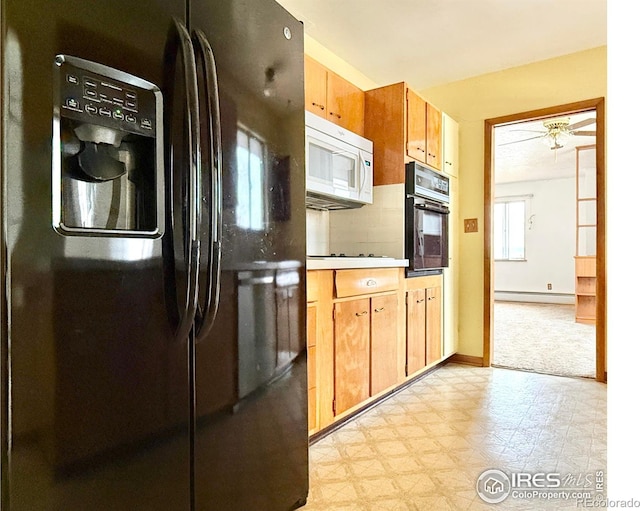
(153, 256)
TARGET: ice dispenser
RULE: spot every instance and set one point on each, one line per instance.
(107, 157)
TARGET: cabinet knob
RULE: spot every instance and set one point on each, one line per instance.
(363, 313)
(379, 310)
(321, 107)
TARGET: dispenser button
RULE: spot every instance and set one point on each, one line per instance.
(130, 118)
(72, 79)
(131, 105)
(90, 83)
(146, 124)
(91, 109)
(72, 103)
(105, 112)
(118, 115)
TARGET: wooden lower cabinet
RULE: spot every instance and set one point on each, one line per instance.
(364, 338)
(424, 322)
(384, 342)
(434, 324)
(312, 333)
(351, 352)
(416, 330)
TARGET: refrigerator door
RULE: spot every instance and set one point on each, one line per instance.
(96, 415)
(251, 437)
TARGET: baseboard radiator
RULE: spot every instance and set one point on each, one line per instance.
(531, 296)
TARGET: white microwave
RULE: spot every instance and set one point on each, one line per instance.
(339, 166)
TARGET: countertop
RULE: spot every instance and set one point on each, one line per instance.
(341, 263)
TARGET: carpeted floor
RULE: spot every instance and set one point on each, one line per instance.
(543, 338)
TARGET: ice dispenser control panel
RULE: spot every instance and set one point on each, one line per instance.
(90, 97)
(107, 157)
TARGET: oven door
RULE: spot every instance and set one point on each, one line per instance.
(427, 236)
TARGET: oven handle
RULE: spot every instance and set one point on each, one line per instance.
(443, 210)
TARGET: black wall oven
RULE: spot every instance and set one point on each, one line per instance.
(426, 220)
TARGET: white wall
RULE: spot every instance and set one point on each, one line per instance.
(550, 240)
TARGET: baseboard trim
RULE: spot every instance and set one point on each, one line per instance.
(466, 360)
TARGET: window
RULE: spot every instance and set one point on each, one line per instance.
(508, 230)
(250, 204)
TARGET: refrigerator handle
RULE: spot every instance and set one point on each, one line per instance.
(191, 223)
(206, 315)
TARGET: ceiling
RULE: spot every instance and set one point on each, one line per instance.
(433, 42)
(524, 158)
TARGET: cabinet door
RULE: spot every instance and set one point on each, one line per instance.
(416, 127)
(449, 145)
(416, 330)
(434, 136)
(384, 342)
(345, 103)
(312, 332)
(351, 370)
(434, 324)
(315, 87)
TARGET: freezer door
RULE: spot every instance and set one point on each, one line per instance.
(250, 373)
(95, 383)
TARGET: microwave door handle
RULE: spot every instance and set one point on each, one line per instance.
(363, 172)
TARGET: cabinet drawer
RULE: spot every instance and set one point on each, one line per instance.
(312, 286)
(365, 281)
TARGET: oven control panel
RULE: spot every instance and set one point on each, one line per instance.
(422, 181)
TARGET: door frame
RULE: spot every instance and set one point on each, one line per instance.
(597, 104)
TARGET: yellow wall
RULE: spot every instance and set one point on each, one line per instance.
(567, 79)
(330, 60)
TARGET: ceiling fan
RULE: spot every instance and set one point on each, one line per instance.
(557, 132)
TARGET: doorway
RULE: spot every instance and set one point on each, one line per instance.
(518, 201)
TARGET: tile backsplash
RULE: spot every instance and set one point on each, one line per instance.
(317, 232)
(373, 229)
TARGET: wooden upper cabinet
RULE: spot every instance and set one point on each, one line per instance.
(449, 145)
(416, 127)
(385, 125)
(434, 136)
(315, 87)
(332, 97)
(345, 103)
(403, 127)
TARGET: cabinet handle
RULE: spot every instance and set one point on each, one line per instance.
(371, 283)
(420, 301)
(379, 310)
(321, 107)
(363, 313)
(337, 115)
